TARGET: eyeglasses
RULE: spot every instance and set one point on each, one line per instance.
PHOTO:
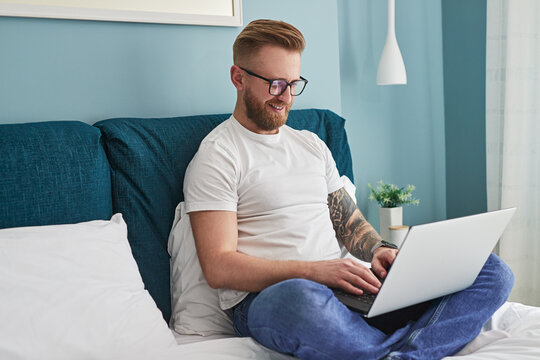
(278, 86)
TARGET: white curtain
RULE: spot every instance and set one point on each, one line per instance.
(513, 135)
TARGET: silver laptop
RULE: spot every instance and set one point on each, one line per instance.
(434, 260)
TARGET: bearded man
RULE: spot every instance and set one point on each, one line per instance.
(267, 207)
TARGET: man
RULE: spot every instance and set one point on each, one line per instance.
(267, 208)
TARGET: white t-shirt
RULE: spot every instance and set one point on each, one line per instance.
(277, 184)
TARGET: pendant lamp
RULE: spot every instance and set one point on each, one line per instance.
(391, 69)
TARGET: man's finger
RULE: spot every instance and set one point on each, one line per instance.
(352, 289)
(382, 262)
(378, 268)
(365, 280)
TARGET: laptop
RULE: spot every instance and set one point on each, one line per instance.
(434, 260)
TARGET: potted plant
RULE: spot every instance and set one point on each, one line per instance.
(390, 199)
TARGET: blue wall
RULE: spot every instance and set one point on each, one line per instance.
(91, 70)
(464, 39)
(396, 132)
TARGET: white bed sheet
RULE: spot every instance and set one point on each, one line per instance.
(512, 333)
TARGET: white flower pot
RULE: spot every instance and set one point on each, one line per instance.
(389, 217)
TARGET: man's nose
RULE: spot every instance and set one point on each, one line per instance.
(286, 97)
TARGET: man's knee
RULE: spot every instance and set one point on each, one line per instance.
(501, 275)
(282, 315)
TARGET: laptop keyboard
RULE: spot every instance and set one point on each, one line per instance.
(366, 298)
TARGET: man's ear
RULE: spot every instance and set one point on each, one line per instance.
(237, 77)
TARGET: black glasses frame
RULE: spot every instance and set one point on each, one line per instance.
(270, 81)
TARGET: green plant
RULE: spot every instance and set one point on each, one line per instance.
(389, 195)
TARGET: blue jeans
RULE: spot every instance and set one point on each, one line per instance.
(304, 319)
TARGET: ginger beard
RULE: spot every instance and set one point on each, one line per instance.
(262, 116)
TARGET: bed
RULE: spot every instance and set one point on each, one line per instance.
(512, 333)
(86, 213)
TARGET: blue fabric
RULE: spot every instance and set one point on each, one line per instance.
(52, 173)
(281, 318)
(148, 159)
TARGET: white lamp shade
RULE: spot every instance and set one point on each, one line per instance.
(391, 69)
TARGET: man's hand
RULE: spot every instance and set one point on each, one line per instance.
(345, 274)
(383, 258)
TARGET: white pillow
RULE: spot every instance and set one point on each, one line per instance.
(195, 305)
(74, 292)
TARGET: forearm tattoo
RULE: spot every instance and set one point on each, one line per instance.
(352, 229)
